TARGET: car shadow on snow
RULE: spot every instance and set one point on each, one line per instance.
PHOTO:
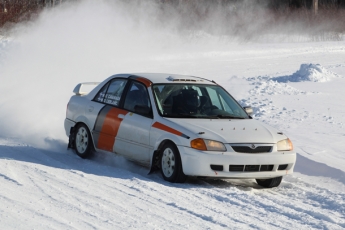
(109, 165)
(100, 165)
(313, 168)
(241, 184)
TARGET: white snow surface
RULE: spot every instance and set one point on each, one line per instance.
(297, 88)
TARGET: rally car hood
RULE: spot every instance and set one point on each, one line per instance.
(231, 131)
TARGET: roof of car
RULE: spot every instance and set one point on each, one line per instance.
(168, 78)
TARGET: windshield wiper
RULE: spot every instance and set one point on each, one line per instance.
(180, 115)
(226, 116)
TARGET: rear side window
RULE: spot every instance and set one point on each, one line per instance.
(100, 95)
(111, 92)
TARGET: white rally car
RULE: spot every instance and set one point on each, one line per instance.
(182, 125)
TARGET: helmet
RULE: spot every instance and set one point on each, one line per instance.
(191, 99)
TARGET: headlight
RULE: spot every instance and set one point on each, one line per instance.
(285, 145)
(207, 145)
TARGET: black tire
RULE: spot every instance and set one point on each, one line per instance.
(270, 183)
(170, 164)
(83, 141)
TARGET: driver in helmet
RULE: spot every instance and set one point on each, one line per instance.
(187, 101)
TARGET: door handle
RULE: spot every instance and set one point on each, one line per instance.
(121, 116)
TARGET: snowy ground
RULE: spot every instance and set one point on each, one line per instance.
(295, 87)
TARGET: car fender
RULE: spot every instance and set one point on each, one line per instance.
(83, 119)
(159, 136)
(167, 137)
(158, 143)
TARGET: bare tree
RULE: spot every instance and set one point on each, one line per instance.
(315, 6)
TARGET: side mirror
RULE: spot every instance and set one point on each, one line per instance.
(249, 110)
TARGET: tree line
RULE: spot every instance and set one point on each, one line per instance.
(13, 11)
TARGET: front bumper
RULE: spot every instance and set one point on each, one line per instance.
(229, 164)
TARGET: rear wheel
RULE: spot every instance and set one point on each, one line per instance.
(83, 141)
(171, 165)
(269, 183)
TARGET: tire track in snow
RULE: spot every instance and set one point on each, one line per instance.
(27, 206)
(10, 179)
(89, 194)
(166, 202)
(317, 206)
(210, 208)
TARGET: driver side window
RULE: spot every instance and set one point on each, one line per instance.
(137, 100)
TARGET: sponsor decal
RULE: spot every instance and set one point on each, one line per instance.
(143, 80)
(163, 127)
(106, 127)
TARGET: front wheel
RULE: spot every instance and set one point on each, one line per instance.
(171, 165)
(83, 141)
(270, 183)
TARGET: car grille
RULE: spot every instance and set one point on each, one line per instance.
(282, 167)
(250, 168)
(217, 167)
(236, 168)
(247, 149)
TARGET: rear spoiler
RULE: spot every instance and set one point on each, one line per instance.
(78, 90)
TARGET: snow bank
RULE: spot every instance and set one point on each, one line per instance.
(308, 72)
(264, 85)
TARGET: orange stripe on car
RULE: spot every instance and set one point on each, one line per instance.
(163, 127)
(109, 129)
(143, 80)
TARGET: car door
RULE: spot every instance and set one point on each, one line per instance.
(109, 117)
(133, 137)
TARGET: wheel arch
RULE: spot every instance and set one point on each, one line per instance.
(72, 132)
(171, 172)
(157, 154)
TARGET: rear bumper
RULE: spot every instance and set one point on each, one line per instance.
(68, 125)
(236, 165)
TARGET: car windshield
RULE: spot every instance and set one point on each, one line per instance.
(196, 101)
